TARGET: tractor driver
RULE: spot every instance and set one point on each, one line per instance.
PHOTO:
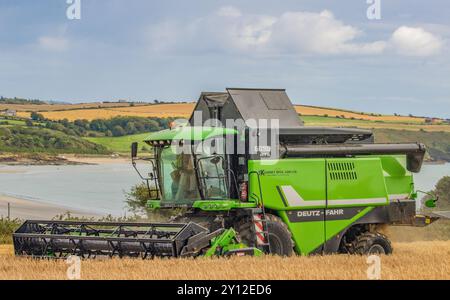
(184, 184)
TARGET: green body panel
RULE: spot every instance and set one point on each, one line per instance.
(399, 181)
(153, 204)
(210, 205)
(318, 183)
(307, 236)
(326, 187)
(307, 175)
(221, 205)
(355, 182)
(333, 227)
(189, 133)
(226, 242)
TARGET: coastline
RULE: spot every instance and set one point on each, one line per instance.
(96, 159)
(29, 209)
(41, 159)
(435, 162)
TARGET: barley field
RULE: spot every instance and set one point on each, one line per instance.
(108, 110)
(332, 112)
(56, 107)
(416, 260)
(156, 110)
(335, 122)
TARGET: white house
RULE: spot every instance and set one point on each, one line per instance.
(8, 112)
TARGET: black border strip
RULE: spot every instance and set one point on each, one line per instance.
(282, 196)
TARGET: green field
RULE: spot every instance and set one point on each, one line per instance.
(341, 122)
(34, 139)
(322, 119)
(437, 141)
(118, 144)
(435, 137)
(11, 122)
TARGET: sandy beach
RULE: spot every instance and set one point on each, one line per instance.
(60, 159)
(97, 159)
(27, 209)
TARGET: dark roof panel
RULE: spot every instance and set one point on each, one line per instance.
(265, 104)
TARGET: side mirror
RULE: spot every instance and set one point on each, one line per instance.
(134, 150)
(431, 203)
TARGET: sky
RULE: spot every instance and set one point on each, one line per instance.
(324, 53)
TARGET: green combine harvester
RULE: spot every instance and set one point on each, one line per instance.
(248, 178)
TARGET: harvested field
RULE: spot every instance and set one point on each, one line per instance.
(6, 250)
(331, 112)
(108, 110)
(334, 122)
(55, 107)
(417, 260)
(157, 110)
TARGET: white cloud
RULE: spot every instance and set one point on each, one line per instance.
(228, 29)
(319, 33)
(53, 43)
(225, 30)
(229, 11)
(243, 34)
(291, 33)
(416, 41)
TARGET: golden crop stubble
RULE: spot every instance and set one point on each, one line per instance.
(92, 111)
(157, 110)
(320, 111)
(417, 260)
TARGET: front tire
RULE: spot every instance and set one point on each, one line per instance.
(280, 238)
(370, 243)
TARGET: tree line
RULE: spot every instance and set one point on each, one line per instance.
(117, 126)
(16, 100)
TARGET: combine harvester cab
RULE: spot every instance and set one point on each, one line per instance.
(247, 187)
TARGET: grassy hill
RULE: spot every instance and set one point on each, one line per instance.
(370, 124)
(29, 106)
(438, 143)
(435, 133)
(36, 139)
(118, 144)
(111, 109)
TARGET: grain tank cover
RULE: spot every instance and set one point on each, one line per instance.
(265, 104)
(248, 104)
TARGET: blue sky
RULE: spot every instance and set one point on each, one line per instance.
(325, 53)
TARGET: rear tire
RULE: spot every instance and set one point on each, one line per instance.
(370, 243)
(280, 238)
